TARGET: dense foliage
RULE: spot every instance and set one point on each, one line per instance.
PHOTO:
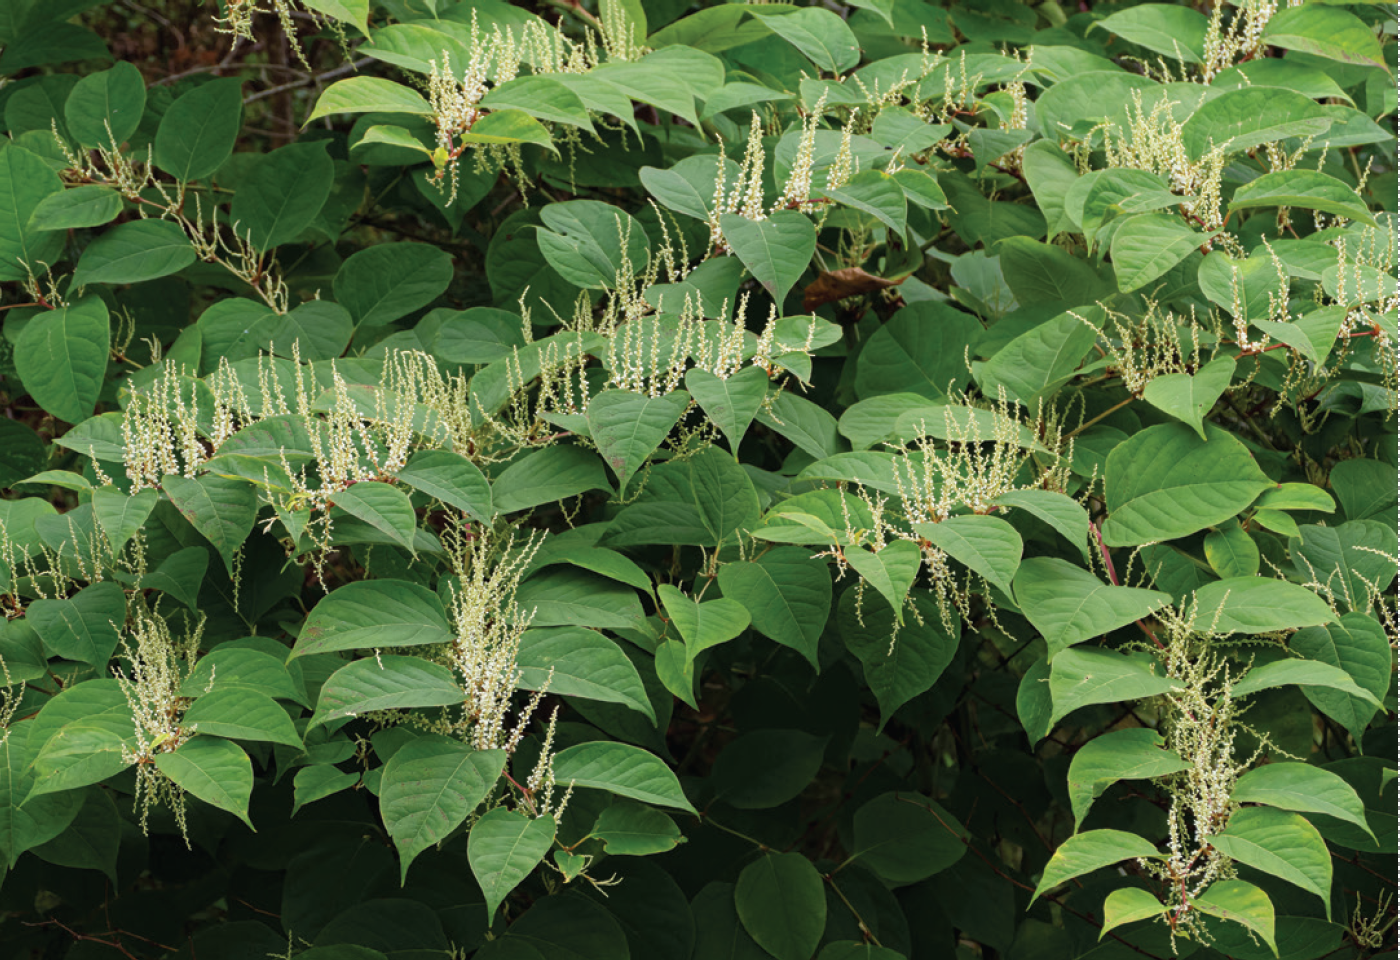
(667, 481)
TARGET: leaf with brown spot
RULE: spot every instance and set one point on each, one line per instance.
(840, 284)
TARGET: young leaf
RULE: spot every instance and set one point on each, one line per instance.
(369, 95)
(631, 829)
(430, 786)
(1128, 905)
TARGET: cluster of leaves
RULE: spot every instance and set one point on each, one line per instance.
(735, 481)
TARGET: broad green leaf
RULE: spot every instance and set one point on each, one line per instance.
(1243, 119)
(90, 205)
(1258, 605)
(85, 627)
(383, 506)
(787, 595)
(1189, 397)
(1357, 644)
(430, 786)
(1242, 903)
(1040, 271)
(25, 181)
(1129, 905)
(389, 135)
(1177, 32)
(241, 714)
(621, 769)
(652, 83)
(731, 402)
(762, 769)
(820, 35)
(1050, 174)
(1062, 513)
(810, 427)
(567, 596)
(703, 624)
(1245, 288)
(1103, 195)
(875, 193)
(782, 904)
(1036, 364)
(385, 682)
(214, 770)
(1231, 551)
(688, 187)
(1303, 673)
(1308, 189)
(502, 848)
(1069, 605)
(1166, 482)
(900, 662)
(542, 97)
(25, 827)
(1087, 98)
(631, 829)
(1354, 559)
(592, 244)
(628, 427)
(283, 193)
(578, 662)
(451, 478)
(1325, 31)
(509, 127)
(134, 252)
(197, 133)
(1148, 245)
(890, 570)
(1296, 496)
(1135, 754)
(91, 841)
(228, 666)
(1087, 852)
(986, 545)
(121, 515)
(776, 250)
(1083, 676)
(1280, 844)
(383, 283)
(548, 475)
(905, 837)
(1303, 788)
(369, 95)
(223, 509)
(353, 12)
(368, 614)
(675, 668)
(105, 108)
(85, 751)
(318, 781)
(61, 356)
(918, 351)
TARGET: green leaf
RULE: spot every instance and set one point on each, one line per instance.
(25, 827)
(90, 205)
(135, 252)
(1296, 496)
(1257, 605)
(25, 181)
(1308, 189)
(1303, 673)
(121, 515)
(383, 283)
(1082, 676)
(1062, 513)
(61, 356)
(762, 769)
(905, 837)
(1069, 605)
(1134, 754)
(430, 786)
(215, 771)
(105, 108)
(622, 769)
(1050, 174)
(787, 595)
(1148, 245)
(1129, 905)
(731, 402)
(83, 752)
(1242, 903)
(509, 127)
(91, 841)
(918, 351)
(1040, 271)
(573, 597)
(811, 428)
(283, 193)
(383, 506)
(230, 666)
(222, 508)
(1189, 397)
(591, 244)
(85, 627)
(1166, 482)
(899, 662)
(578, 662)
(368, 614)
(1231, 551)
(782, 904)
(1303, 788)
(548, 475)
(630, 829)
(873, 192)
(197, 133)
(1087, 852)
(318, 781)
(451, 478)
(1249, 117)
(502, 848)
(385, 682)
(242, 714)
(820, 35)
(628, 427)
(1177, 32)
(369, 95)
(989, 547)
(1280, 844)
(703, 625)
(1358, 645)
(353, 12)
(1325, 31)
(776, 250)
(891, 571)
(542, 97)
